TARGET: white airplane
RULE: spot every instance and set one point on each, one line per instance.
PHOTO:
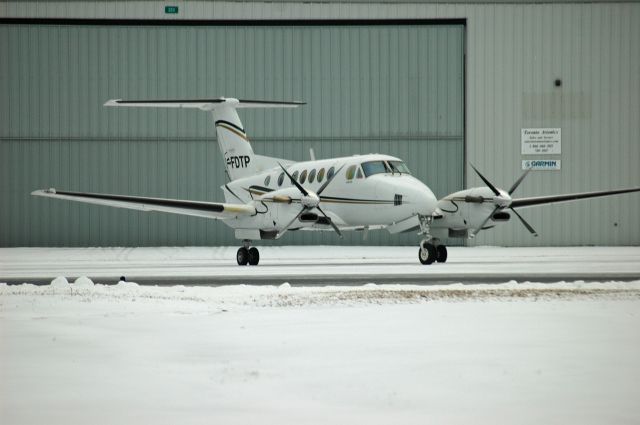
(266, 196)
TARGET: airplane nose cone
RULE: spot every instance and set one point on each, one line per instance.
(427, 202)
(423, 198)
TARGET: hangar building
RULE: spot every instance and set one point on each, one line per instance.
(440, 84)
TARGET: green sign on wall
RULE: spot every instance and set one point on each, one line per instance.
(171, 9)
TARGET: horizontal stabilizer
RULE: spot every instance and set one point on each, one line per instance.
(203, 104)
(176, 206)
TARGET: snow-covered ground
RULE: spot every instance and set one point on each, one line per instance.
(521, 353)
(563, 352)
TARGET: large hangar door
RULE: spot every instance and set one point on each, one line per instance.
(387, 88)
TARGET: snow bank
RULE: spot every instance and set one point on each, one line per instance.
(285, 295)
(83, 282)
(60, 282)
(123, 284)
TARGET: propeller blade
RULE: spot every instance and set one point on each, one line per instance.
(487, 182)
(285, 228)
(517, 183)
(330, 221)
(295, 183)
(527, 225)
(325, 184)
(475, 232)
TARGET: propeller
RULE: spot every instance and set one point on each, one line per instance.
(502, 201)
(309, 201)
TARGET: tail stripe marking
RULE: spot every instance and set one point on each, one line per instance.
(240, 129)
(236, 132)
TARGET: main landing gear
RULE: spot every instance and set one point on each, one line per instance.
(430, 249)
(246, 255)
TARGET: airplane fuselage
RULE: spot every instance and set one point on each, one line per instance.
(366, 191)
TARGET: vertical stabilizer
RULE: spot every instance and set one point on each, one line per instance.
(236, 150)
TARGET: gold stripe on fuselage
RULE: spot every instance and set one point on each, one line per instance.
(330, 200)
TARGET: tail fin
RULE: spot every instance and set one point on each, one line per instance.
(240, 161)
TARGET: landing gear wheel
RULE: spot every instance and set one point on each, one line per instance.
(242, 256)
(427, 253)
(254, 256)
(441, 253)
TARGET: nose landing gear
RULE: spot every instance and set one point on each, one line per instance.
(246, 255)
(427, 253)
(430, 249)
(430, 252)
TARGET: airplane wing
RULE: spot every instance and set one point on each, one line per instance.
(175, 206)
(539, 200)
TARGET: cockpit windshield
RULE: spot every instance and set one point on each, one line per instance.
(389, 167)
(374, 167)
(399, 167)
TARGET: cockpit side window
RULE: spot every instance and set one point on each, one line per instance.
(374, 167)
(399, 167)
(351, 172)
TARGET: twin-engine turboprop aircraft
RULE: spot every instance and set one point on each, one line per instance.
(267, 196)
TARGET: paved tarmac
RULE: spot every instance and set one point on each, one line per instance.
(319, 265)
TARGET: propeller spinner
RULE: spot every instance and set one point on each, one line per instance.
(501, 201)
(309, 201)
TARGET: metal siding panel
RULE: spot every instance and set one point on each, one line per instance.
(583, 44)
(358, 82)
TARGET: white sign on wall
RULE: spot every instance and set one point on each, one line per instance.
(541, 141)
(541, 164)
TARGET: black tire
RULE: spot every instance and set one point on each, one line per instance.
(242, 256)
(441, 254)
(254, 256)
(427, 254)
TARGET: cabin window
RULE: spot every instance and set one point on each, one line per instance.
(280, 179)
(374, 167)
(351, 172)
(267, 180)
(330, 173)
(320, 175)
(359, 174)
(295, 175)
(399, 167)
(303, 176)
(312, 175)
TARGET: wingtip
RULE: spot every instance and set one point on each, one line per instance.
(44, 192)
(112, 102)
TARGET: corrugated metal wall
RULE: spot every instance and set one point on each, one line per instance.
(514, 53)
(389, 89)
(594, 50)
